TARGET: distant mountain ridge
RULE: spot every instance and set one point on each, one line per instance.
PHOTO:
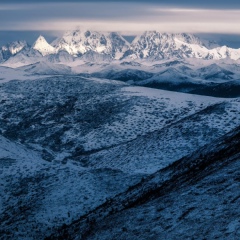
(107, 46)
(11, 49)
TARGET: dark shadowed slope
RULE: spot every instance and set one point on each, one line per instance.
(196, 197)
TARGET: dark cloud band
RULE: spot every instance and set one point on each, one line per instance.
(118, 16)
(220, 4)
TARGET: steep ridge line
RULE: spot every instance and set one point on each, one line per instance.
(200, 163)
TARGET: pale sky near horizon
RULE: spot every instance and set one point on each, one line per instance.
(20, 18)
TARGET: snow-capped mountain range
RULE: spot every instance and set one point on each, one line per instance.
(107, 46)
(178, 62)
(156, 46)
(80, 42)
(90, 150)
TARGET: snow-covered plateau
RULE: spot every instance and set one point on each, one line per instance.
(105, 139)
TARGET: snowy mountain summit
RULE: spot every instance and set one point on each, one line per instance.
(96, 46)
(80, 42)
(157, 46)
(153, 45)
(15, 47)
(12, 48)
(43, 46)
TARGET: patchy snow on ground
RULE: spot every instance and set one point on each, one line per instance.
(67, 143)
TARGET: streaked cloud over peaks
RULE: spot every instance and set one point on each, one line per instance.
(125, 16)
(186, 3)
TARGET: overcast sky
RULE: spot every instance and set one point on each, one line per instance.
(26, 19)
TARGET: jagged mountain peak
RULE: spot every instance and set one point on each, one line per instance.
(151, 46)
(40, 40)
(156, 35)
(78, 42)
(11, 49)
(156, 45)
(15, 47)
(81, 41)
(43, 46)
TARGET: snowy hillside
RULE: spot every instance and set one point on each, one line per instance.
(181, 76)
(180, 201)
(70, 143)
(205, 77)
(37, 195)
(46, 68)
